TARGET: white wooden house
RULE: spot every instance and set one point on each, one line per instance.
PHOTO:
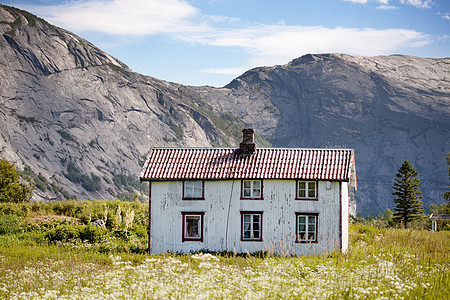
(249, 199)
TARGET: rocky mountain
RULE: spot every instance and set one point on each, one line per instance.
(80, 122)
(387, 108)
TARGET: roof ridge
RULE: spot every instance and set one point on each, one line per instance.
(258, 148)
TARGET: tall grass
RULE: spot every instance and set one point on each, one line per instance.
(380, 264)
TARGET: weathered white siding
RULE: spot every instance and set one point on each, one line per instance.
(222, 218)
(345, 215)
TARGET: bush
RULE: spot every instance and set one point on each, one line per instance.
(63, 233)
(139, 246)
(10, 224)
(93, 235)
(140, 231)
(17, 209)
(362, 232)
(12, 187)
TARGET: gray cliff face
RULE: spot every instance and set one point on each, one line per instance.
(85, 121)
(387, 108)
(70, 111)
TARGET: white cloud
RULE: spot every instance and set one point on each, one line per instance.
(442, 38)
(121, 17)
(222, 19)
(385, 2)
(418, 3)
(226, 71)
(275, 44)
(446, 16)
(357, 1)
(387, 7)
(266, 44)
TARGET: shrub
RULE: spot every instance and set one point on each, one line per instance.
(138, 246)
(12, 187)
(362, 232)
(65, 208)
(63, 233)
(140, 231)
(17, 209)
(10, 224)
(93, 235)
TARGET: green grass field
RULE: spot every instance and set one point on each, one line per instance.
(380, 264)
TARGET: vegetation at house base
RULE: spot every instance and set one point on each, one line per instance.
(12, 187)
(407, 192)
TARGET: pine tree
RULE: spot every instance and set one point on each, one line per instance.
(407, 189)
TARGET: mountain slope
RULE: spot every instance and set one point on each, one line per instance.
(80, 117)
(387, 108)
(85, 121)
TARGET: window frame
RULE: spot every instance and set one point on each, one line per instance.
(297, 190)
(185, 214)
(307, 215)
(252, 197)
(252, 213)
(193, 198)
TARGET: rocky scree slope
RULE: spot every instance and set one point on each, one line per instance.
(85, 122)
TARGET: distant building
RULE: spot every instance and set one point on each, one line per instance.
(249, 199)
(437, 217)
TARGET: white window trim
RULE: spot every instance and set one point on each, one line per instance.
(252, 190)
(185, 237)
(252, 238)
(307, 184)
(186, 187)
(308, 230)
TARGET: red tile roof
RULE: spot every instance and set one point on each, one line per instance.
(265, 163)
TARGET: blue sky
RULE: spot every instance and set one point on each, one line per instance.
(211, 42)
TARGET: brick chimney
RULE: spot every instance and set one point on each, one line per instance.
(248, 146)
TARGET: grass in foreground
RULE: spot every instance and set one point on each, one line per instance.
(380, 264)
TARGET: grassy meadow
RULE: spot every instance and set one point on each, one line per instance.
(46, 256)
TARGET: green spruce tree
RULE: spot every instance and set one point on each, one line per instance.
(408, 195)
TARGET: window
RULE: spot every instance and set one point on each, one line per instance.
(192, 226)
(251, 189)
(251, 226)
(306, 228)
(193, 190)
(307, 190)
